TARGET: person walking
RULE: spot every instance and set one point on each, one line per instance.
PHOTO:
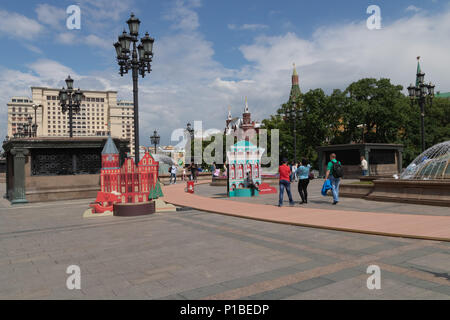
(193, 169)
(183, 177)
(285, 182)
(364, 166)
(213, 170)
(294, 172)
(303, 180)
(173, 174)
(334, 174)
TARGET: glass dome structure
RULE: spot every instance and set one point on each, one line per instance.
(433, 163)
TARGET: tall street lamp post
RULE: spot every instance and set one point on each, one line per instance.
(138, 61)
(155, 139)
(190, 132)
(35, 125)
(294, 114)
(70, 100)
(423, 94)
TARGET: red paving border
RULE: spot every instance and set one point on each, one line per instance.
(386, 224)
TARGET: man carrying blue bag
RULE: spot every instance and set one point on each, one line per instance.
(334, 174)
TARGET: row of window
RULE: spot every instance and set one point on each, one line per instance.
(22, 100)
(19, 109)
(88, 99)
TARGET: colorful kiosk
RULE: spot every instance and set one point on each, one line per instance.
(243, 157)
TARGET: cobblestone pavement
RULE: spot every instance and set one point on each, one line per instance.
(317, 201)
(196, 255)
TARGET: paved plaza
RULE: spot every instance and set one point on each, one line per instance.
(191, 254)
(317, 201)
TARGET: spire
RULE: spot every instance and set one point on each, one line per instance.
(419, 70)
(295, 89)
(110, 147)
(294, 76)
(294, 73)
(229, 113)
(246, 106)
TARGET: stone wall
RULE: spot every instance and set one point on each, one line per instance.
(51, 188)
(429, 192)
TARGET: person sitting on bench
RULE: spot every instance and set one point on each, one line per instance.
(248, 183)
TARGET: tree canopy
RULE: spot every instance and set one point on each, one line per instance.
(368, 110)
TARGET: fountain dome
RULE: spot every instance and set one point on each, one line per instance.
(433, 163)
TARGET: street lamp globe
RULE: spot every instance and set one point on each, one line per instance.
(431, 89)
(141, 52)
(133, 25)
(78, 96)
(420, 77)
(118, 49)
(125, 41)
(63, 96)
(147, 42)
(69, 82)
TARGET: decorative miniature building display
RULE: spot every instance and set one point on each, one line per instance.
(244, 157)
(126, 184)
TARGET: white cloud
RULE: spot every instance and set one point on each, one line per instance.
(95, 41)
(51, 72)
(52, 16)
(16, 25)
(413, 8)
(250, 27)
(183, 16)
(67, 38)
(71, 38)
(104, 10)
(188, 83)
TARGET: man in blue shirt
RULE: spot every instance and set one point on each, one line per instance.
(334, 181)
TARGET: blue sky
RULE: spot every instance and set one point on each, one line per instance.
(210, 54)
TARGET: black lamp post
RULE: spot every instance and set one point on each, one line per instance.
(70, 100)
(155, 139)
(138, 60)
(294, 114)
(29, 130)
(190, 132)
(423, 94)
(35, 125)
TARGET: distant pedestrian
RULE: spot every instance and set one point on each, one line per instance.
(213, 169)
(193, 169)
(294, 172)
(285, 183)
(303, 180)
(173, 174)
(334, 174)
(183, 177)
(364, 166)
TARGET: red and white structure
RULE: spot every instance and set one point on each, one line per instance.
(126, 184)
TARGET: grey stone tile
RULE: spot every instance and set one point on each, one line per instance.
(275, 294)
(311, 284)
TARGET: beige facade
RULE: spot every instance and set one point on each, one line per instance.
(100, 115)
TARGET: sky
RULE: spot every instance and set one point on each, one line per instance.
(211, 54)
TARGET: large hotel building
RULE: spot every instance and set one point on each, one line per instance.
(101, 114)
